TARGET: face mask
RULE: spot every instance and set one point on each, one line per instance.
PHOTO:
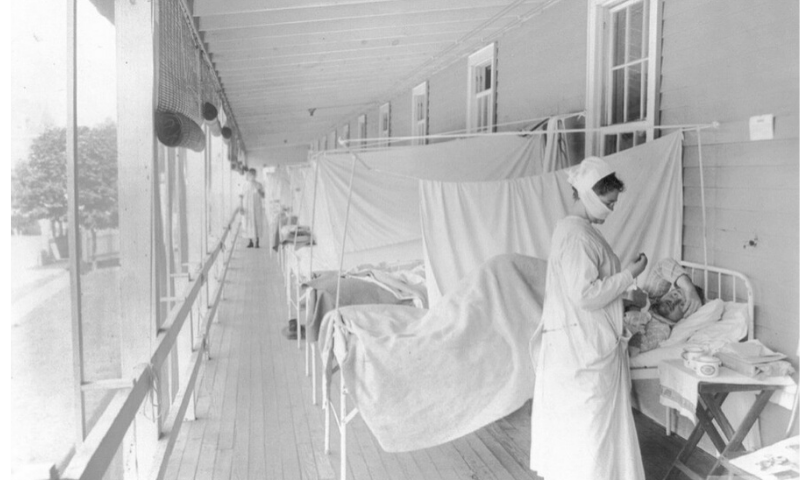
(594, 206)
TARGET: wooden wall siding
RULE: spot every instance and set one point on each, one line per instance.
(447, 99)
(727, 61)
(542, 65)
(401, 116)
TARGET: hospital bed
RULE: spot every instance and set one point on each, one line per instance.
(717, 283)
(310, 297)
(419, 377)
(727, 285)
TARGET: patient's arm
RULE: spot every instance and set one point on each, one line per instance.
(693, 300)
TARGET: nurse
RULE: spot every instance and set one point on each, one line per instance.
(582, 425)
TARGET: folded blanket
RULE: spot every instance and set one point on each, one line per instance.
(422, 378)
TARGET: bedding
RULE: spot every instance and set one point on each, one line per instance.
(713, 325)
(365, 286)
(421, 378)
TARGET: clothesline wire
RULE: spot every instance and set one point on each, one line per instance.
(463, 132)
(696, 128)
(683, 127)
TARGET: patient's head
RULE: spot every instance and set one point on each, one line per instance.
(671, 304)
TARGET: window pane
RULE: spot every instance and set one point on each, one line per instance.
(620, 29)
(610, 144)
(634, 109)
(640, 138)
(41, 417)
(636, 33)
(617, 96)
(487, 77)
(625, 141)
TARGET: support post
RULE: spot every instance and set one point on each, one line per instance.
(138, 176)
(74, 220)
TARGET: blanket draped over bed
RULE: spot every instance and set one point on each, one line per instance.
(421, 378)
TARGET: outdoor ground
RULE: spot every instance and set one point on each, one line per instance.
(42, 412)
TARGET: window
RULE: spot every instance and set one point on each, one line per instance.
(622, 82)
(384, 125)
(346, 134)
(419, 114)
(362, 131)
(481, 87)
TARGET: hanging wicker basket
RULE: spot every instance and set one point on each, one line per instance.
(177, 130)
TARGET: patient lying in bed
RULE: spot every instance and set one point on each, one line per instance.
(671, 297)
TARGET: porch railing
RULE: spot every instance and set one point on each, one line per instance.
(92, 458)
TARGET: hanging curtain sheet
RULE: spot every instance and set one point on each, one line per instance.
(385, 202)
(464, 224)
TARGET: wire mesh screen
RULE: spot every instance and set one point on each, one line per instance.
(179, 87)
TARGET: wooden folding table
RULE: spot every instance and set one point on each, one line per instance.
(681, 388)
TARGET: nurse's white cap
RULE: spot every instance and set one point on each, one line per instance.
(590, 171)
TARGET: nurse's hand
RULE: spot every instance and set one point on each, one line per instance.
(637, 267)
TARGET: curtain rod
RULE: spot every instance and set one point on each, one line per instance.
(685, 127)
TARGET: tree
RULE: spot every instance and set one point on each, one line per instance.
(39, 184)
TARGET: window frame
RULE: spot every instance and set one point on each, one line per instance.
(598, 84)
(419, 127)
(480, 59)
(362, 130)
(384, 134)
(346, 133)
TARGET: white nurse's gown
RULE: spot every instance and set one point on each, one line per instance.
(582, 425)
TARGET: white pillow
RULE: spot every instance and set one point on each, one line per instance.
(709, 313)
(731, 328)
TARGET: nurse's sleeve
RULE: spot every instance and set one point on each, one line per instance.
(585, 287)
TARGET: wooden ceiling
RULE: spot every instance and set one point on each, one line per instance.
(277, 59)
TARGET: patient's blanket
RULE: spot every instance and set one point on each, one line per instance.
(421, 378)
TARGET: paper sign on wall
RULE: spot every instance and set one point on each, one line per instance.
(762, 127)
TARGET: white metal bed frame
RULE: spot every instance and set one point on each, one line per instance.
(726, 288)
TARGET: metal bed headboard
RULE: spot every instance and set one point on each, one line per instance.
(727, 285)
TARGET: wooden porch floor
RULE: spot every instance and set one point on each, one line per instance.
(256, 420)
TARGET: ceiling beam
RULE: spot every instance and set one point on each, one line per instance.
(357, 50)
(315, 61)
(257, 75)
(398, 31)
(333, 77)
(269, 46)
(356, 16)
(218, 7)
(325, 28)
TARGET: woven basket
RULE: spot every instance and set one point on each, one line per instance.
(177, 130)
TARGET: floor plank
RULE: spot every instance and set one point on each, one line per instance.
(256, 420)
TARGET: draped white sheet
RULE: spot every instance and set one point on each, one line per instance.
(464, 224)
(384, 220)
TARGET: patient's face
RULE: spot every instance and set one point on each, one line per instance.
(670, 306)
